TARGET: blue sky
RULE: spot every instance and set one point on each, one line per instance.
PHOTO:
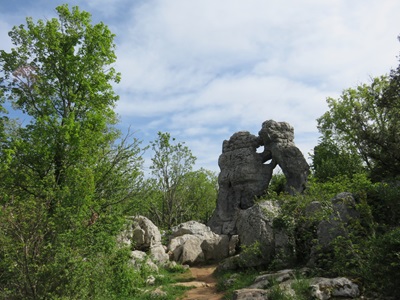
(205, 69)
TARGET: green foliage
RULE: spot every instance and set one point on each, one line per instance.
(364, 121)
(277, 184)
(382, 263)
(250, 254)
(302, 288)
(329, 161)
(176, 193)
(64, 177)
(229, 281)
(384, 200)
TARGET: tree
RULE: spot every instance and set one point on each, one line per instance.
(171, 162)
(65, 176)
(362, 122)
(329, 161)
(200, 192)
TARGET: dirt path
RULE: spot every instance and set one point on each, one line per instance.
(205, 284)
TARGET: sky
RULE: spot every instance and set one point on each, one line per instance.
(205, 69)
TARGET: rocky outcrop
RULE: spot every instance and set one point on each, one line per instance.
(247, 294)
(278, 141)
(328, 288)
(343, 213)
(260, 239)
(286, 281)
(243, 177)
(245, 173)
(140, 234)
(194, 243)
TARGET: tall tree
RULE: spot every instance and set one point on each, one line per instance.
(329, 161)
(66, 173)
(170, 163)
(360, 122)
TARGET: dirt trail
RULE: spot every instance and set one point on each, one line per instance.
(205, 284)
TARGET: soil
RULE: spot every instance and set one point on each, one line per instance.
(205, 285)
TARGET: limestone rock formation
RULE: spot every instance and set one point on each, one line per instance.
(245, 173)
(141, 234)
(243, 177)
(343, 213)
(278, 144)
(193, 243)
(318, 287)
(257, 234)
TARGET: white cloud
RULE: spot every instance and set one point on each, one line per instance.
(203, 69)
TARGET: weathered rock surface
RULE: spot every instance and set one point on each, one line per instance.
(328, 288)
(319, 287)
(193, 243)
(278, 141)
(245, 173)
(250, 294)
(243, 177)
(141, 234)
(343, 213)
(259, 239)
(139, 259)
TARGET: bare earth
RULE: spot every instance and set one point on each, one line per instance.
(205, 285)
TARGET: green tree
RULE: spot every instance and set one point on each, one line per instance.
(200, 192)
(361, 121)
(65, 176)
(329, 161)
(171, 162)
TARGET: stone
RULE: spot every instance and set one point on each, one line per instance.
(245, 173)
(158, 293)
(243, 177)
(215, 248)
(336, 225)
(193, 228)
(193, 243)
(151, 280)
(142, 235)
(250, 294)
(329, 288)
(255, 225)
(278, 141)
(139, 259)
(186, 249)
(158, 253)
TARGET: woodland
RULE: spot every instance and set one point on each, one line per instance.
(69, 177)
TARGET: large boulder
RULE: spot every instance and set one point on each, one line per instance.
(333, 288)
(278, 141)
(343, 214)
(250, 294)
(243, 177)
(285, 281)
(194, 243)
(260, 240)
(141, 234)
(246, 173)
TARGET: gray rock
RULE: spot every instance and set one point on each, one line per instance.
(193, 243)
(139, 259)
(186, 249)
(245, 173)
(329, 288)
(193, 228)
(243, 177)
(215, 248)
(278, 141)
(343, 212)
(250, 294)
(141, 234)
(151, 280)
